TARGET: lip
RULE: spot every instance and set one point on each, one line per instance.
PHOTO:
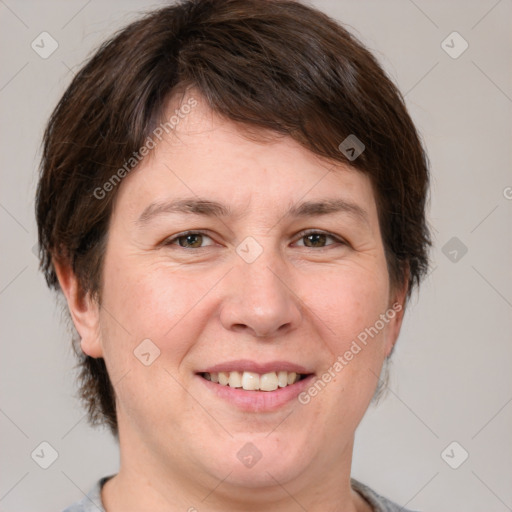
(241, 365)
(257, 401)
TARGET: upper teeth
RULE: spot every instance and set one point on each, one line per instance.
(251, 381)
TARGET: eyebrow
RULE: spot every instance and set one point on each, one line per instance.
(208, 208)
(195, 206)
(326, 207)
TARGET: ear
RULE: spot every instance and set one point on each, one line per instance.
(84, 310)
(396, 304)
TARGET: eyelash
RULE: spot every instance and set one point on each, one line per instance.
(302, 234)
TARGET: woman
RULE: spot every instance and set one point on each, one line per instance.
(232, 201)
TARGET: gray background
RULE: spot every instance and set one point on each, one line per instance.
(451, 378)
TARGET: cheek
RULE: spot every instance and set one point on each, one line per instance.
(142, 304)
(350, 305)
(149, 302)
(347, 302)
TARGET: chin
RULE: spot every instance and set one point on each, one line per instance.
(263, 462)
(263, 476)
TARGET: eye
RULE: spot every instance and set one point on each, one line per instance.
(195, 240)
(189, 240)
(318, 239)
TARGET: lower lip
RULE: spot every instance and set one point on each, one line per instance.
(258, 401)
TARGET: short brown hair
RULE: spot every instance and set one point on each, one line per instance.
(275, 65)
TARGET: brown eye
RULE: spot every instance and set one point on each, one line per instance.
(190, 240)
(317, 239)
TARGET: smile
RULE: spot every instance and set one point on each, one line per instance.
(256, 386)
(252, 381)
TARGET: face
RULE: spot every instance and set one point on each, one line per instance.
(226, 254)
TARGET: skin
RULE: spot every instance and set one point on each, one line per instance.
(203, 306)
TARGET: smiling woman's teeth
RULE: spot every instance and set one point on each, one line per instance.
(251, 381)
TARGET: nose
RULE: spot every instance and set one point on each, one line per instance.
(260, 300)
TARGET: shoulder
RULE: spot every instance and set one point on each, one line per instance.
(378, 502)
(91, 502)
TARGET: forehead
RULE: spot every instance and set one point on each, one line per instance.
(215, 159)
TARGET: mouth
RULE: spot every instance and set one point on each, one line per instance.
(252, 381)
(253, 387)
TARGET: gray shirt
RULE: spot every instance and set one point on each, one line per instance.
(92, 501)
